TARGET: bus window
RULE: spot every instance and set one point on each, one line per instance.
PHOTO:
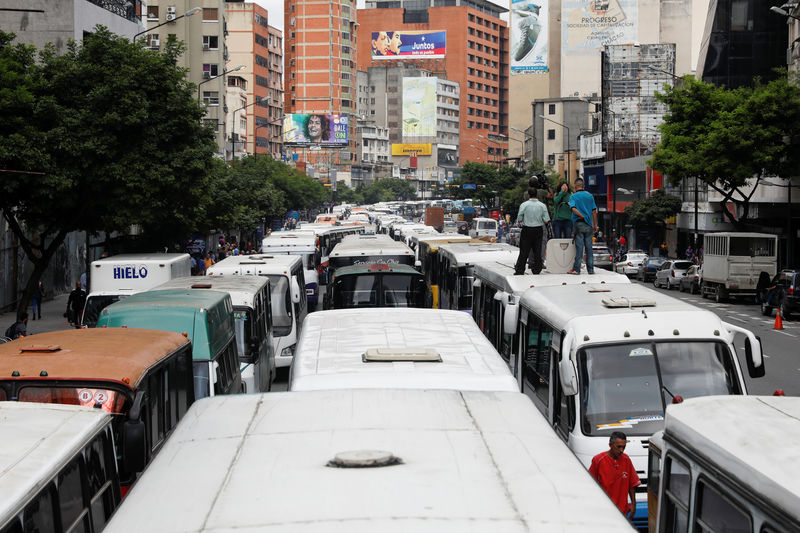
(403, 291)
(39, 514)
(692, 369)
(99, 465)
(717, 512)
(675, 515)
(281, 306)
(465, 280)
(108, 400)
(201, 379)
(74, 515)
(536, 365)
(357, 291)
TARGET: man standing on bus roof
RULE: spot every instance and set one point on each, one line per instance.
(615, 473)
(584, 225)
(533, 216)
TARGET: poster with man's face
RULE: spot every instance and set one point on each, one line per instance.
(408, 44)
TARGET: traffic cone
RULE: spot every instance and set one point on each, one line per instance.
(778, 320)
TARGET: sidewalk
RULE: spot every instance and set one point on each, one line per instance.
(52, 316)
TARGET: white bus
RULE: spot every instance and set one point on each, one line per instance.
(599, 358)
(119, 276)
(727, 464)
(454, 264)
(367, 460)
(58, 469)
(252, 313)
(304, 244)
(364, 249)
(289, 307)
(396, 348)
(496, 287)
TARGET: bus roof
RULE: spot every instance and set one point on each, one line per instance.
(750, 438)
(501, 275)
(376, 268)
(241, 288)
(289, 241)
(652, 314)
(469, 461)
(470, 253)
(177, 310)
(354, 245)
(256, 265)
(108, 354)
(140, 258)
(330, 352)
(444, 236)
(38, 440)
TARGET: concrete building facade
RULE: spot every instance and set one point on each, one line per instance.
(475, 58)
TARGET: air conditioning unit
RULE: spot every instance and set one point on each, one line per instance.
(171, 13)
(206, 75)
(205, 46)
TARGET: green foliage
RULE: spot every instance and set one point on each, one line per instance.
(729, 138)
(654, 210)
(387, 190)
(346, 194)
(491, 182)
(300, 190)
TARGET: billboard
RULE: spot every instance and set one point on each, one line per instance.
(412, 148)
(408, 44)
(529, 36)
(588, 25)
(317, 128)
(419, 107)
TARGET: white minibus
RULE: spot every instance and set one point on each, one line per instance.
(454, 264)
(396, 348)
(727, 463)
(289, 308)
(496, 287)
(364, 249)
(252, 313)
(58, 468)
(118, 276)
(483, 227)
(367, 460)
(599, 358)
(302, 243)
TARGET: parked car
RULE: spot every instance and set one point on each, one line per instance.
(629, 263)
(649, 267)
(691, 281)
(783, 292)
(450, 226)
(602, 256)
(670, 272)
(512, 237)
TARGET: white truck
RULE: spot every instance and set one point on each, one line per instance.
(119, 276)
(733, 262)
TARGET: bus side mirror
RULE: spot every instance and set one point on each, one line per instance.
(566, 367)
(295, 290)
(418, 264)
(755, 370)
(134, 449)
(511, 316)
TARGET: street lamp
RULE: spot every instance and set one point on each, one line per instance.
(569, 138)
(193, 11)
(258, 100)
(240, 67)
(605, 109)
(779, 11)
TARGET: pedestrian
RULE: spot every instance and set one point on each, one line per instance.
(623, 245)
(615, 473)
(689, 253)
(208, 261)
(533, 216)
(201, 266)
(36, 300)
(75, 303)
(19, 328)
(584, 225)
(562, 214)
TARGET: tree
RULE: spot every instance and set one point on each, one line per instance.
(654, 211)
(729, 138)
(105, 136)
(301, 191)
(513, 197)
(345, 194)
(387, 190)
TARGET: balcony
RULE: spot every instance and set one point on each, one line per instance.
(126, 9)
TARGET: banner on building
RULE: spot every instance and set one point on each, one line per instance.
(529, 36)
(408, 44)
(313, 129)
(411, 149)
(419, 107)
(588, 25)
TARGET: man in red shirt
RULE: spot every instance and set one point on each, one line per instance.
(614, 472)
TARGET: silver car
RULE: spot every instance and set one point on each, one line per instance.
(670, 273)
(629, 263)
(602, 257)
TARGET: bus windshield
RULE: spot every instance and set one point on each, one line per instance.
(405, 259)
(379, 290)
(108, 400)
(627, 386)
(243, 317)
(94, 305)
(281, 305)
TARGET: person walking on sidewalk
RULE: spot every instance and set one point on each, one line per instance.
(584, 221)
(533, 216)
(36, 300)
(75, 303)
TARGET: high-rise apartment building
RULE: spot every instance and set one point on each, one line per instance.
(252, 42)
(205, 57)
(466, 43)
(320, 74)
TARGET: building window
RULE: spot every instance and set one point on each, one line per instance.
(551, 109)
(551, 159)
(152, 12)
(152, 40)
(210, 14)
(211, 98)
(551, 134)
(210, 42)
(262, 21)
(210, 70)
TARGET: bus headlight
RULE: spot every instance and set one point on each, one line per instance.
(288, 351)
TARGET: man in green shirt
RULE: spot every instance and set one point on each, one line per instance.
(533, 216)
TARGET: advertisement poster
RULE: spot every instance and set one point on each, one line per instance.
(589, 25)
(411, 149)
(408, 44)
(317, 128)
(419, 107)
(529, 41)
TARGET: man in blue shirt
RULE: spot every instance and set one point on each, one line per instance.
(533, 216)
(584, 226)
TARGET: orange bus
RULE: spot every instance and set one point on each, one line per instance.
(143, 377)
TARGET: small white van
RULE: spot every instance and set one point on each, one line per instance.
(483, 227)
(119, 276)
